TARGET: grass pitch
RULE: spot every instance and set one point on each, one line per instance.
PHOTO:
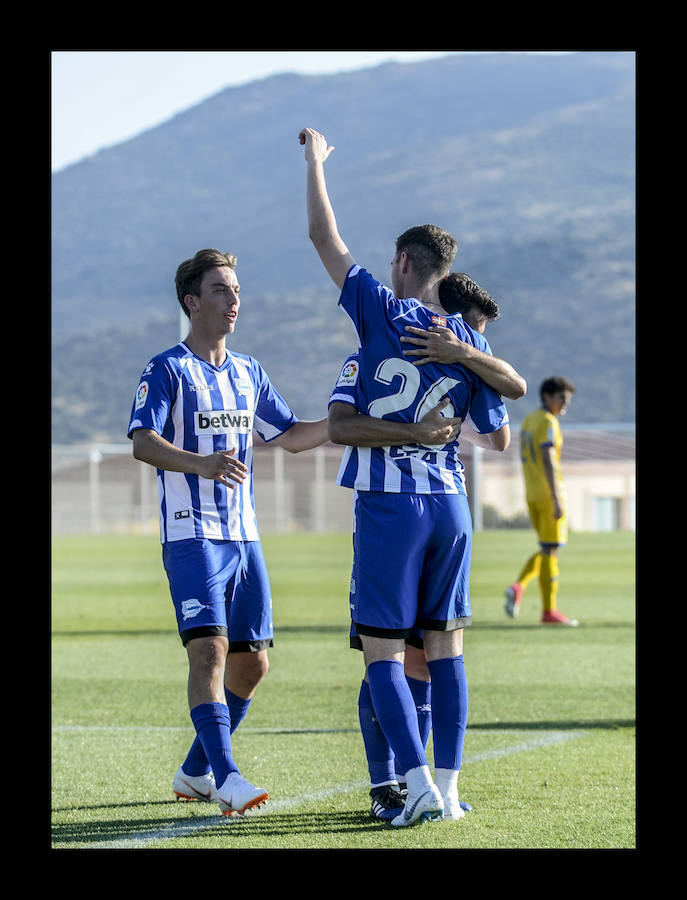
(549, 759)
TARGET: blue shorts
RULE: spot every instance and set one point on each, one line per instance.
(220, 587)
(411, 563)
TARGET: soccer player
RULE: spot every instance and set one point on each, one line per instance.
(458, 294)
(193, 418)
(413, 530)
(541, 442)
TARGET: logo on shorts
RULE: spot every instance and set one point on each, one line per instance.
(191, 608)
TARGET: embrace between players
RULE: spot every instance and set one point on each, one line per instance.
(422, 370)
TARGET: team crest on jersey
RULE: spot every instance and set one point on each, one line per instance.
(223, 421)
(439, 320)
(349, 374)
(141, 394)
(244, 387)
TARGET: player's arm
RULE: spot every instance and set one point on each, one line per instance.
(548, 458)
(322, 227)
(494, 440)
(348, 426)
(152, 448)
(303, 436)
(438, 344)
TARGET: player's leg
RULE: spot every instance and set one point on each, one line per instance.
(553, 534)
(417, 674)
(249, 617)
(378, 753)
(444, 613)
(446, 664)
(244, 672)
(388, 554)
(211, 718)
(209, 712)
(198, 572)
(385, 792)
(395, 709)
(530, 571)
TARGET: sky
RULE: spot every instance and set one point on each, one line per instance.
(102, 97)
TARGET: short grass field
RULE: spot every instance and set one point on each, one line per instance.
(549, 759)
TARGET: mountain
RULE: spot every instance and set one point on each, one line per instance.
(528, 160)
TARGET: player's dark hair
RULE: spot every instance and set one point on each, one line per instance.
(555, 384)
(430, 248)
(459, 294)
(190, 272)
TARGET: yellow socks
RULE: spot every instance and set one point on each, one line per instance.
(548, 581)
(531, 570)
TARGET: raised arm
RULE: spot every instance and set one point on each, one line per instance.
(322, 228)
(439, 344)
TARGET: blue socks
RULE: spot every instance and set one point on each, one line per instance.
(448, 693)
(393, 704)
(196, 763)
(449, 710)
(238, 707)
(422, 697)
(212, 724)
(380, 759)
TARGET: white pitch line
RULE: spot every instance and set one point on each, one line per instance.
(187, 828)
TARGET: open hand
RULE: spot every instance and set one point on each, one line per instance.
(437, 344)
(223, 467)
(437, 430)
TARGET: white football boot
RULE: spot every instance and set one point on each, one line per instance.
(238, 795)
(453, 810)
(424, 807)
(194, 787)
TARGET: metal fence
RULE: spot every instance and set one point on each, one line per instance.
(101, 488)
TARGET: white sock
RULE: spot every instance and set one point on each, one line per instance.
(447, 782)
(418, 780)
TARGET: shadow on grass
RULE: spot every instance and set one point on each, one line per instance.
(564, 725)
(537, 626)
(341, 629)
(145, 831)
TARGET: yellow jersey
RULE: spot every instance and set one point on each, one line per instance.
(540, 429)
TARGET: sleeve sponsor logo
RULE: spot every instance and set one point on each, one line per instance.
(224, 421)
(141, 394)
(349, 374)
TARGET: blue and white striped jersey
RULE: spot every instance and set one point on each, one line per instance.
(203, 408)
(382, 382)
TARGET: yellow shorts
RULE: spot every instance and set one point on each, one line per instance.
(549, 530)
